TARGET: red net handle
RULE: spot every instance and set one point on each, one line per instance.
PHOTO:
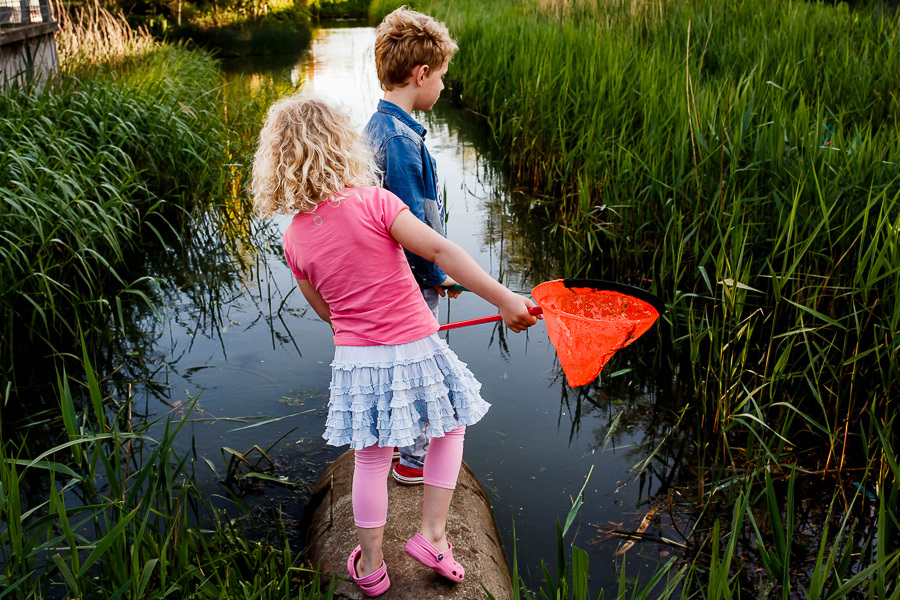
(535, 310)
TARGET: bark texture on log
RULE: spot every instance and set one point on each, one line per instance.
(331, 535)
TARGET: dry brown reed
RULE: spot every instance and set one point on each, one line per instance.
(561, 10)
(90, 34)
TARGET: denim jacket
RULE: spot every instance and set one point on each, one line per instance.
(409, 171)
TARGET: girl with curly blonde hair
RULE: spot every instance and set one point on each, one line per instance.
(392, 377)
(307, 152)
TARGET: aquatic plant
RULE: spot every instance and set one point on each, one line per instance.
(839, 562)
(91, 163)
(113, 513)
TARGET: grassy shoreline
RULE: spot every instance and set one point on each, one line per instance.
(242, 39)
(117, 155)
(97, 162)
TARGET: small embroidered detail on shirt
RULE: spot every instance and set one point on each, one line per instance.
(317, 219)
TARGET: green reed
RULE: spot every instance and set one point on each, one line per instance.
(742, 160)
(132, 141)
(847, 559)
(91, 162)
(727, 153)
(113, 513)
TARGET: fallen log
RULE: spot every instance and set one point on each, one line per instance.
(331, 536)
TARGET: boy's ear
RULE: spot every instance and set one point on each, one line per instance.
(419, 73)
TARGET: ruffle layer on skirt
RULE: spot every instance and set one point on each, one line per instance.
(389, 395)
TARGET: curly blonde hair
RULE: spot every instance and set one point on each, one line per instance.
(308, 152)
(405, 39)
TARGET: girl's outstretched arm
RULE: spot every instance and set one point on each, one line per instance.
(315, 299)
(421, 239)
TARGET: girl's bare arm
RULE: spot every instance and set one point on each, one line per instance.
(417, 237)
(315, 299)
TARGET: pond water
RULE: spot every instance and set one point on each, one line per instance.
(258, 358)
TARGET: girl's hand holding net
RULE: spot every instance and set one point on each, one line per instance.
(514, 311)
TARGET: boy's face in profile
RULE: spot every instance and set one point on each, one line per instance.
(432, 84)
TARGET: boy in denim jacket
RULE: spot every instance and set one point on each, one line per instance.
(412, 53)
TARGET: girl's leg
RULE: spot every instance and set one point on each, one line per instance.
(441, 472)
(370, 499)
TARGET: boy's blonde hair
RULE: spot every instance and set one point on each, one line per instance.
(308, 152)
(405, 39)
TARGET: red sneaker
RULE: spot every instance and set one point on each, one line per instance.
(407, 475)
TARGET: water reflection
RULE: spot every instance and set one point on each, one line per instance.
(541, 438)
(233, 331)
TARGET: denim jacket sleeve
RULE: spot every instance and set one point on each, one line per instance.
(404, 176)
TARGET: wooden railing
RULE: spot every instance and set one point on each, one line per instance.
(22, 19)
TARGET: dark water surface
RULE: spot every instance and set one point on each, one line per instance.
(253, 351)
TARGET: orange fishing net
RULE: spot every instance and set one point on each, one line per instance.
(588, 321)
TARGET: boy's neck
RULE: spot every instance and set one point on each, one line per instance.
(404, 97)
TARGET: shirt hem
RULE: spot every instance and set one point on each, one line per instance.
(414, 337)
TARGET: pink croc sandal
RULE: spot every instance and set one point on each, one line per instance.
(374, 584)
(442, 562)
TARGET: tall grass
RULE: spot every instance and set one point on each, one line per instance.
(125, 144)
(89, 34)
(121, 515)
(267, 36)
(339, 9)
(134, 140)
(379, 9)
(846, 560)
(743, 157)
(743, 161)
(277, 27)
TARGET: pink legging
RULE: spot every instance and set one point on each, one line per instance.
(370, 495)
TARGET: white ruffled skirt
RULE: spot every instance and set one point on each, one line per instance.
(389, 395)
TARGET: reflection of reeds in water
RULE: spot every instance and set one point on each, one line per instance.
(89, 34)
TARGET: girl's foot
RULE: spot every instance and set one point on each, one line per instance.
(441, 561)
(373, 584)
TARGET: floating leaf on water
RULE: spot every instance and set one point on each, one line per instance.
(282, 479)
(303, 396)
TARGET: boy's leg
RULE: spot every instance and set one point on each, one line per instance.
(409, 470)
(412, 458)
(370, 499)
(432, 299)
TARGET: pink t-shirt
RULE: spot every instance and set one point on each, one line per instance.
(346, 251)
